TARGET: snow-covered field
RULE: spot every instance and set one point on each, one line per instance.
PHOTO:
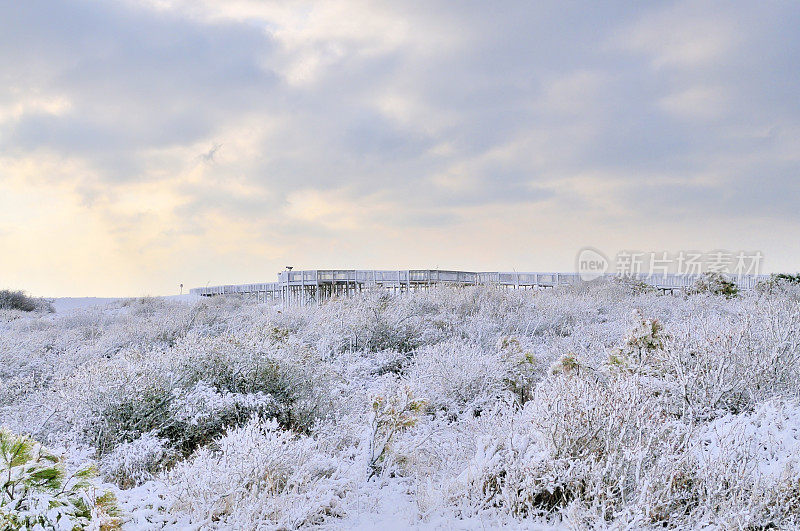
(589, 407)
(66, 304)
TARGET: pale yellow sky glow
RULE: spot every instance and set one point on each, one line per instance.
(148, 144)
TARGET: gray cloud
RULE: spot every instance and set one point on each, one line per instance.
(510, 98)
(135, 79)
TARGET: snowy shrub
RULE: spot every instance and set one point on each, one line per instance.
(291, 374)
(738, 472)
(197, 406)
(234, 364)
(714, 284)
(124, 415)
(457, 376)
(748, 468)
(190, 393)
(643, 346)
(522, 368)
(259, 476)
(579, 440)
(374, 322)
(185, 418)
(390, 362)
(566, 364)
(392, 412)
(133, 463)
(37, 492)
(633, 286)
(646, 337)
(726, 364)
(783, 285)
(787, 278)
(19, 300)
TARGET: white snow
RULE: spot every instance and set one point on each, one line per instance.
(65, 304)
(449, 409)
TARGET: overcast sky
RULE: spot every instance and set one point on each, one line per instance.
(145, 144)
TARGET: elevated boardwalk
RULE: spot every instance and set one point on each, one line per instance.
(317, 285)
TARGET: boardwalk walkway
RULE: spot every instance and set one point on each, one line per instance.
(320, 284)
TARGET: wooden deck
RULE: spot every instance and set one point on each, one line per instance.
(319, 284)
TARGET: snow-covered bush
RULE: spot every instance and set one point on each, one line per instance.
(259, 476)
(643, 346)
(747, 471)
(190, 393)
(784, 285)
(632, 285)
(394, 411)
(714, 284)
(457, 376)
(20, 301)
(522, 368)
(581, 439)
(133, 463)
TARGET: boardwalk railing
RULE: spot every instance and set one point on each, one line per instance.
(319, 284)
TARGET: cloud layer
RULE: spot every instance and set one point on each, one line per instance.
(143, 144)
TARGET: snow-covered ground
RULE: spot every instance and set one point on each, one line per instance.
(65, 304)
(598, 406)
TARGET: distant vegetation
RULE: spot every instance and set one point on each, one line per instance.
(779, 282)
(715, 284)
(604, 405)
(19, 300)
(787, 277)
